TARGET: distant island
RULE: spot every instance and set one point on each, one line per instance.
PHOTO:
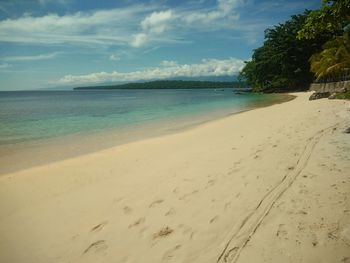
(171, 84)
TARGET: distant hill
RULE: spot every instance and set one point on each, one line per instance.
(170, 84)
(204, 78)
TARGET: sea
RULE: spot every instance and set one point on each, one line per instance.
(30, 119)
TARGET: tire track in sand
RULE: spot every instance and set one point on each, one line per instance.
(241, 234)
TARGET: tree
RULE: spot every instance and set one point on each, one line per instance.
(333, 18)
(334, 61)
(282, 63)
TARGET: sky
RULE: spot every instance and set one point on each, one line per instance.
(68, 43)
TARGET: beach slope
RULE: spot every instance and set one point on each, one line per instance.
(267, 185)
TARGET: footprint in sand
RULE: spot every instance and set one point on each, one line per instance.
(282, 231)
(138, 222)
(127, 210)
(303, 191)
(213, 219)
(187, 195)
(210, 183)
(227, 205)
(232, 171)
(237, 162)
(143, 230)
(186, 229)
(166, 231)
(117, 200)
(170, 212)
(187, 180)
(192, 235)
(99, 227)
(156, 202)
(302, 212)
(314, 240)
(96, 247)
(169, 254)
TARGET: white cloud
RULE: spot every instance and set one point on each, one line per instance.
(182, 20)
(157, 21)
(61, 2)
(224, 9)
(5, 65)
(32, 58)
(139, 40)
(226, 6)
(103, 27)
(169, 63)
(152, 25)
(207, 67)
(135, 25)
(114, 57)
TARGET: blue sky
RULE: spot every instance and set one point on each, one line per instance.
(50, 43)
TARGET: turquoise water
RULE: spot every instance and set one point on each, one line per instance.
(29, 116)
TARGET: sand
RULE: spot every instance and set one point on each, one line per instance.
(267, 185)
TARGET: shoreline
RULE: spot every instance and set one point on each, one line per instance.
(266, 185)
(38, 153)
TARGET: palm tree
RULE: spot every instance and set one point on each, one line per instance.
(334, 61)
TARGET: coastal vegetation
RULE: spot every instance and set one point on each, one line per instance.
(170, 84)
(333, 62)
(343, 96)
(310, 46)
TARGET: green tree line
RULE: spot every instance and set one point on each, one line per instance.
(310, 46)
(170, 84)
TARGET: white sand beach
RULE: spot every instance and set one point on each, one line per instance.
(267, 185)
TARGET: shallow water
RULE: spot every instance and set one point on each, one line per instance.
(39, 127)
(38, 115)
